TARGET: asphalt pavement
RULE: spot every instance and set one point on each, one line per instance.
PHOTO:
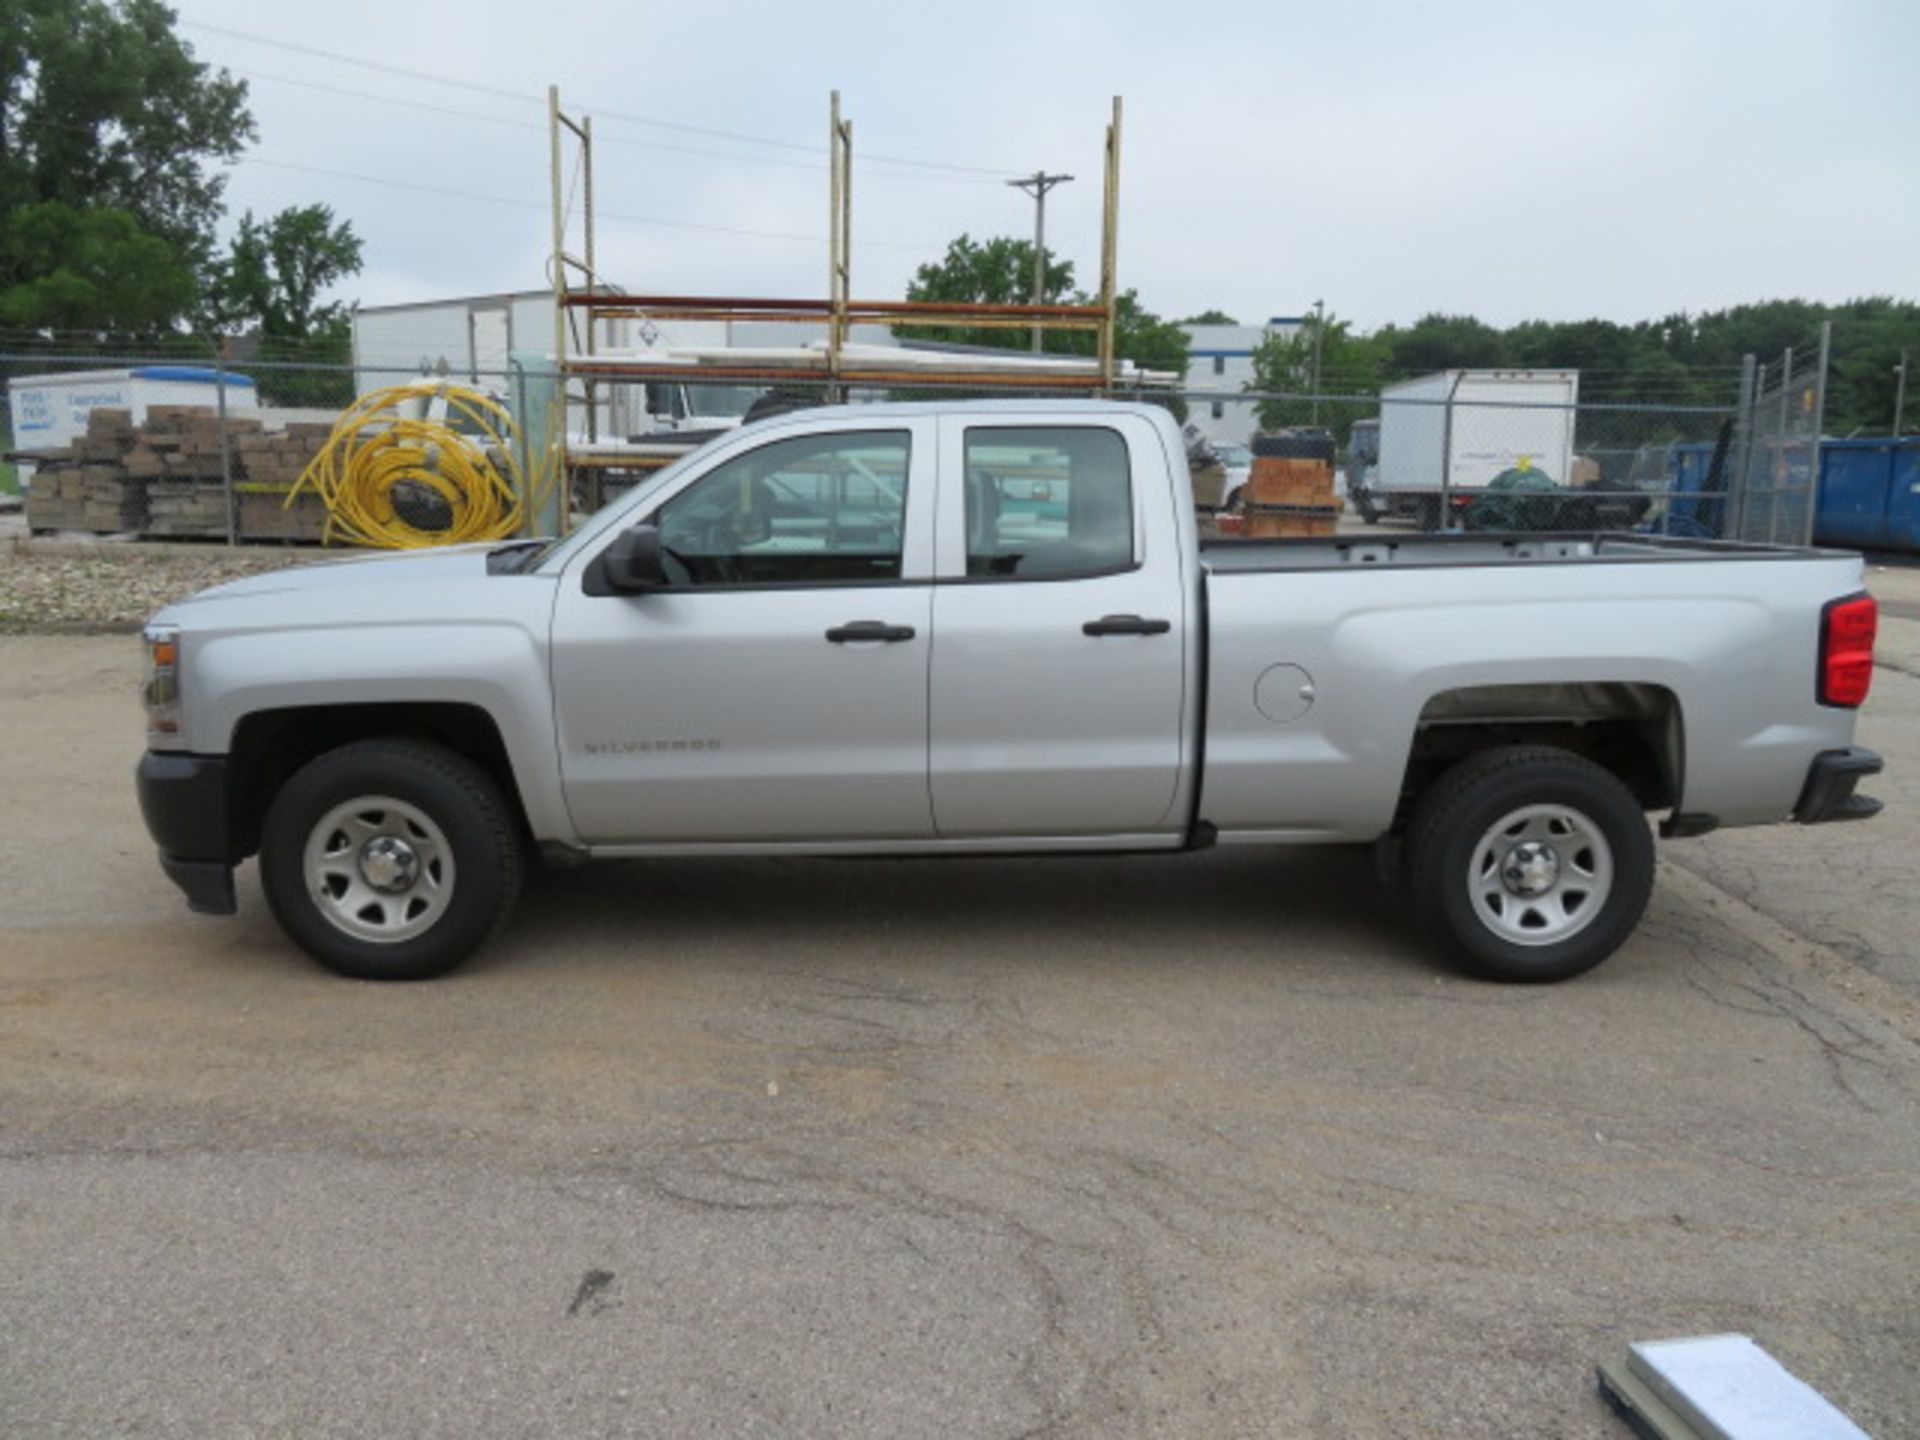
(1191, 1146)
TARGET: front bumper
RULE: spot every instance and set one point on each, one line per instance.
(1828, 793)
(183, 799)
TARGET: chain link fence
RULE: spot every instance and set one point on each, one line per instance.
(1777, 460)
(1434, 461)
(173, 447)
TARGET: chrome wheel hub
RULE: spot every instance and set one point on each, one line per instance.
(1531, 868)
(1540, 874)
(379, 869)
(389, 864)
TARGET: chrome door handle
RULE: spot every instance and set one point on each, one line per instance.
(855, 631)
(1125, 625)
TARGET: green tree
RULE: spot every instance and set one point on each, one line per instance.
(1444, 342)
(88, 270)
(1350, 364)
(1210, 317)
(999, 271)
(269, 285)
(275, 271)
(103, 107)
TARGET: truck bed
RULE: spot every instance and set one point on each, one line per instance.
(1226, 556)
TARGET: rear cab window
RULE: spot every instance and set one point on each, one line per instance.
(1047, 502)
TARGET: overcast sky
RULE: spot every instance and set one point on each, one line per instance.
(1512, 161)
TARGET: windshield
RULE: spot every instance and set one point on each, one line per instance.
(560, 547)
(1233, 454)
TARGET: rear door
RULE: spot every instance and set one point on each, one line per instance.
(1061, 632)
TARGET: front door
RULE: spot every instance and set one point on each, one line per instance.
(777, 689)
(1060, 653)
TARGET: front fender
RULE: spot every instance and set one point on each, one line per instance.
(498, 667)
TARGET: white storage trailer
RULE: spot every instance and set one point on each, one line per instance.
(472, 339)
(50, 411)
(1463, 428)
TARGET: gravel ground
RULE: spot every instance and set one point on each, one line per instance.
(1202, 1145)
(104, 585)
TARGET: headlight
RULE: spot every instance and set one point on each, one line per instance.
(161, 694)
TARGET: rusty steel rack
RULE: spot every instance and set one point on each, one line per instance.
(583, 301)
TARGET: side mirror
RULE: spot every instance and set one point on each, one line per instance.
(633, 564)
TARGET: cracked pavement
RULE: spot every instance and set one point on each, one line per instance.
(1202, 1145)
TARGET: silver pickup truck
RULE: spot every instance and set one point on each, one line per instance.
(973, 628)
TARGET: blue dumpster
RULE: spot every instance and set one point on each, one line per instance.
(1867, 494)
(1903, 497)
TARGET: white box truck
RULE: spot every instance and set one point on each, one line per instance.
(1455, 430)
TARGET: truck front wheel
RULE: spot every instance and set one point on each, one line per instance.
(1535, 863)
(390, 859)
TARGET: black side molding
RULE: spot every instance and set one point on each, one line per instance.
(1828, 794)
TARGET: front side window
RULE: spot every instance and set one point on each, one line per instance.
(1048, 502)
(817, 509)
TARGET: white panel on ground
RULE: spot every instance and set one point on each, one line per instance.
(1728, 1388)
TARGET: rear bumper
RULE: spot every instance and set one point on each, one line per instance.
(183, 799)
(1828, 793)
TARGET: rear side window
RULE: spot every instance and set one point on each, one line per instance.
(1048, 503)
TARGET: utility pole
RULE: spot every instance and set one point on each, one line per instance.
(1900, 392)
(1319, 322)
(1037, 185)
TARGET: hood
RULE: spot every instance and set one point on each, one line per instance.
(453, 562)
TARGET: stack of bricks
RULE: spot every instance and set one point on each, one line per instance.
(58, 499)
(167, 477)
(106, 504)
(178, 462)
(273, 464)
(1290, 492)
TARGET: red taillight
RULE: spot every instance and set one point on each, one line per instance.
(1847, 628)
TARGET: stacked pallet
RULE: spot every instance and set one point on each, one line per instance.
(58, 499)
(167, 477)
(272, 463)
(1290, 492)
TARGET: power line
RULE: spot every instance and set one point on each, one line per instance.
(524, 204)
(501, 93)
(427, 107)
(229, 163)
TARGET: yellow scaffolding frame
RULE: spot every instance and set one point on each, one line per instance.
(596, 302)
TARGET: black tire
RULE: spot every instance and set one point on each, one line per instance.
(1369, 512)
(455, 796)
(1456, 817)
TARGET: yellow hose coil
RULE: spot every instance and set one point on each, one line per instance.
(462, 450)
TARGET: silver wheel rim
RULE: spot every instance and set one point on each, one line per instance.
(379, 869)
(1540, 875)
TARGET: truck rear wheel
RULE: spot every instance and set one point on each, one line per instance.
(390, 859)
(1535, 863)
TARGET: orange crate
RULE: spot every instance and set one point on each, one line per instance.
(1278, 480)
(1282, 522)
